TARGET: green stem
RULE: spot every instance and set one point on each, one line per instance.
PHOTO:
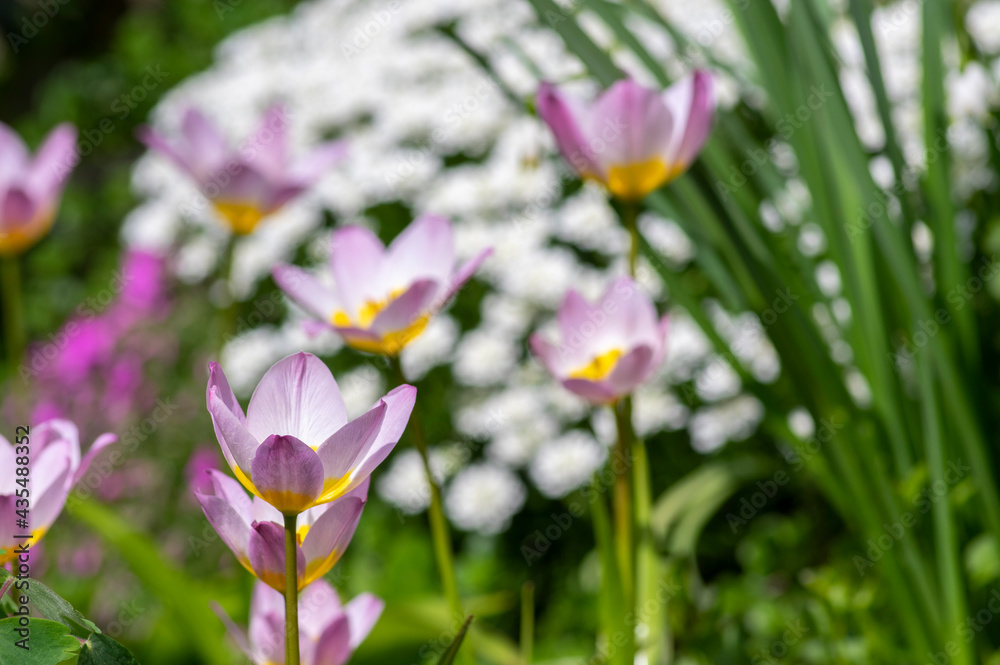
(10, 277)
(624, 534)
(439, 525)
(291, 593)
(527, 621)
(629, 217)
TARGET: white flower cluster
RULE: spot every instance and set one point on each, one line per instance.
(408, 98)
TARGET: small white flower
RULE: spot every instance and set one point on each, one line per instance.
(484, 498)
(567, 463)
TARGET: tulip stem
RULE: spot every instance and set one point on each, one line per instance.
(439, 525)
(623, 510)
(291, 593)
(629, 217)
(10, 277)
(227, 321)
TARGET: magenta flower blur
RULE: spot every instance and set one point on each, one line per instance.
(95, 369)
(632, 139)
(384, 297)
(55, 465)
(328, 631)
(254, 531)
(249, 183)
(606, 348)
(296, 448)
(30, 189)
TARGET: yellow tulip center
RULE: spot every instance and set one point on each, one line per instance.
(599, 367)
(632, 182)
(19, 239)
(241, 217)
(389, 344)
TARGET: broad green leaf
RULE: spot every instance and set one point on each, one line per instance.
(448, 657)
(102, 650)
(51, 605)
(49, 642)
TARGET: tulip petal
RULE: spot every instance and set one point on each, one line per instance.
(287, 473)
(297, 397)
(692, 101)
(339, 452)
(7, 461)
(319, 606)
(267, 623)
(631, 369)
(236, 633)
(567, 122)
(17, 208)
(425, 249)
(547, 353)
(270, 143)
(53, 161)
(267, 555)
(363, 612)
(206, 148)
(306, 291)
(400, 401)
(461, 276)
(231, 525)
(157, 143)
(49, 502)
(334, 645)
(238, 445)
(643, 121)
(407, 308)
(631, 316)
(329, 536)
(102, 442)
(315, 164)
(595, 393)
(357, 258)
(13, 153)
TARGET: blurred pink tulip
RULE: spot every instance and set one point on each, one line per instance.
(295, 447)
(251, 182)
(55, 465)
(30, 189)
(328, 631)
(384, 297)
(254, 531)
(632, 139)
(607, 348)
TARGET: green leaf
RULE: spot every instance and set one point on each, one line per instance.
(52, 606)
(448, 657)
(49, 642)
(186, 600)
(681, 513)
(102, 650)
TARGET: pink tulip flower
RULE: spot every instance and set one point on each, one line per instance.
(632, 139)
(30, 189)
(384, 296)
(55, 465)
(247, 184)
(254, 530)
(328, 631)
(607, 348)
(295, 447)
